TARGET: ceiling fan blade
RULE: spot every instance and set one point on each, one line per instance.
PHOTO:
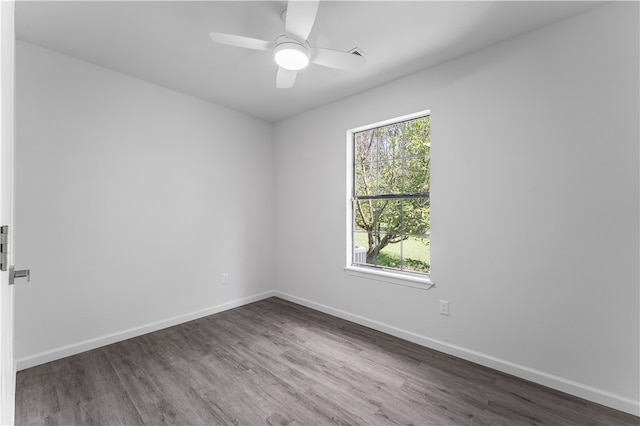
(337, 59)
(301, 15)
(285, 78)
(241, 41)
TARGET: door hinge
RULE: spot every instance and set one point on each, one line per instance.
(4, 247)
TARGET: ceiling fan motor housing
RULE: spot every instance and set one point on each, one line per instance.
(291, 54)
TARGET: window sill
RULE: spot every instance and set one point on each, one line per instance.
(391, 277)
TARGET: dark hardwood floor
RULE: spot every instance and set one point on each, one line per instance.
(275, 362)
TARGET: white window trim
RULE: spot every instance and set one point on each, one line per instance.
(386, 275)
(390, 276)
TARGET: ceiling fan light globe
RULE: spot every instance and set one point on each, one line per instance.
(291, 56)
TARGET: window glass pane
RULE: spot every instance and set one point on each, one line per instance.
(371, 257)
(418, 137)
(416, 252)
(415, 174)
(380, 216)
(360, 239)
(390, 143)
(389, 216)
(360, 244)
(389, 256)
(363, 215)
(365, 150)
(366, 179)
(389, 177)
(415, 216)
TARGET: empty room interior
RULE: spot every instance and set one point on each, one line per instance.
(204, 245)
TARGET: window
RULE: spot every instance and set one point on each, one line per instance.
(389, 198)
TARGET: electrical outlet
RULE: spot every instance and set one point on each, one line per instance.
(225, 278)
(444, 307)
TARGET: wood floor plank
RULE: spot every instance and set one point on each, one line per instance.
(39, 398)
(277, 363)
(113, 408)
(84, 377)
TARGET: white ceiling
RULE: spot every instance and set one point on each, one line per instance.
(168, 43)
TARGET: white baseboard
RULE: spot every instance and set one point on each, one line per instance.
(559, 383)
(76, 348)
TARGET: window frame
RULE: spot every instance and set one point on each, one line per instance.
(420, 281)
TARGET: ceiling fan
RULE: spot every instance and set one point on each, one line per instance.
(291, 50)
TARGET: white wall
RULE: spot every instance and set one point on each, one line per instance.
(131, 201)
(535, 207)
